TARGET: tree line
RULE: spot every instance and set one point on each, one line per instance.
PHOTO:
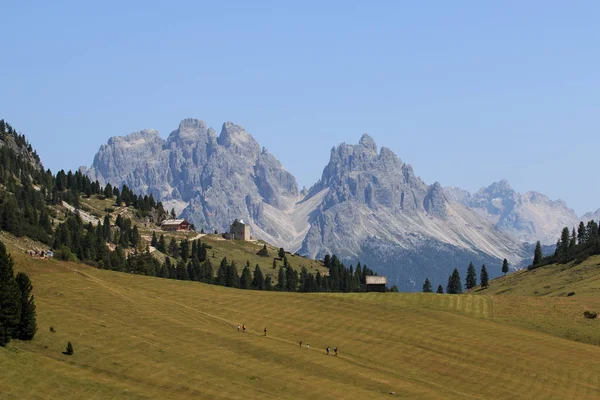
(454, 285)
(188, 260)
(572, 245)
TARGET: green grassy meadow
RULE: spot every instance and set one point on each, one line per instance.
(138, 337)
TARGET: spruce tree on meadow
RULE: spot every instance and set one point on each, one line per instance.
(281, 279)
(281, 253)
(274, 263)
(440, 289)
(154, 241)
(537, 255)
(427, 286)
(505, 266)
(268, 283)
(28, 322)
(471, 280)
(484, 277)
(245, 279)
(10, 298)
(454, 284)
(258, 282)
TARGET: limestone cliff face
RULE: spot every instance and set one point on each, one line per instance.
(378, 211)
(209, 179)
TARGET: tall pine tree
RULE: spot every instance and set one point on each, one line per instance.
(28, 323)
(454, 285)
(484, 277)
(505, 266)
(10, 298)
(471, 280)
(427, 286)
(537, 255)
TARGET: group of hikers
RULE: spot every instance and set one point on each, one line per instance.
(327, 350)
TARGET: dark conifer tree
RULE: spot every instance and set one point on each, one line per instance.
(573, 241)
(484, 277)
(581, 233)
(505, 266)
(69, 350)
(440, 289)
(281, 253)
(471, 280)
(10, 298)
(154, 241)
(537, 255)
(173, 248)
(427, 286)
(232, 279)
(222, 272)
(106, 229)
(136, 239)
(454, 284)
(246, 278)
(28, 323)
(258, 281)
(268, 283)
(182, 272)
(291, 278)
(162, 244)
(565, 241)
(281, 279)
(185, 249)
(274, 263)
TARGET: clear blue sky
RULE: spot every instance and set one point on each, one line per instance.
(468, 92)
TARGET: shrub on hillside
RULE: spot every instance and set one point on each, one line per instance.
(571, 294)
(64, 253)
(109, 209)
(590, 314)
(69, 350)
(263, 252)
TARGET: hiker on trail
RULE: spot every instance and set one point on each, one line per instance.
(244, 328)
(301, 343)
(327, 349)
(238, 327)
(265, 331)
(335, 351)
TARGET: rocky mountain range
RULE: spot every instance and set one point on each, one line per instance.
(368, 205)
(529, 217)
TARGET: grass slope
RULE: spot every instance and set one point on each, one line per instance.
(140, 337)
(539, 299)
(235, 250)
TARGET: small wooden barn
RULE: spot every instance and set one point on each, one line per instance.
(375, 283)
(175, 225)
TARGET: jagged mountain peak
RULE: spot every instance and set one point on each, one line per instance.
(143, 135)
(368, 142)
(190, 132)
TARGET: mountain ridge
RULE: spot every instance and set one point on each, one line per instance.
(367, 205)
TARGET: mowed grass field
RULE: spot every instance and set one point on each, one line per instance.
(539, 299)
(139, 337)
